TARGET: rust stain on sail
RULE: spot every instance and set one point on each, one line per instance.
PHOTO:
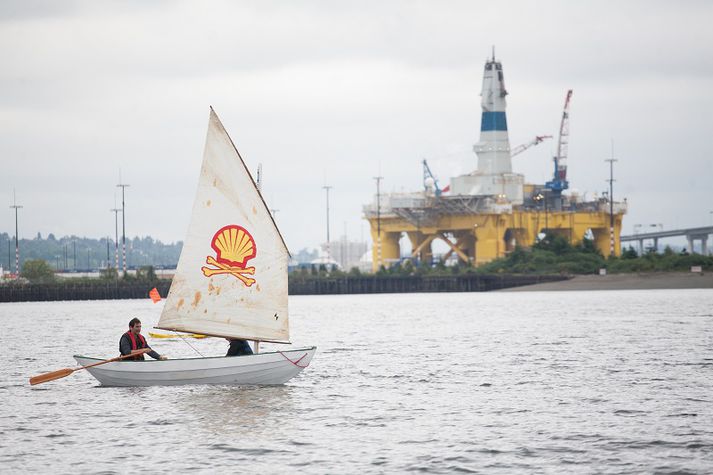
(196, 299)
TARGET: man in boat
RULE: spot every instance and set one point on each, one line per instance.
(134, 340)
(238, 347)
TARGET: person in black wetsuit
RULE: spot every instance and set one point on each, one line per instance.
(134, 340)
(238, 347)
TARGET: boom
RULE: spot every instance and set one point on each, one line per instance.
(559, 180)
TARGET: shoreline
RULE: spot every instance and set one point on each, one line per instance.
(642, 281)
(382, 284)
(298, 285)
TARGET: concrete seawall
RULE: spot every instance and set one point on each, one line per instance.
(297, 286)
(377, 284)
(80, 291)
(406, 284)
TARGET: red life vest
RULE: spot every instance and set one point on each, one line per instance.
(135, 346)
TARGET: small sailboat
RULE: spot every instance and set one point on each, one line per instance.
(231, 282)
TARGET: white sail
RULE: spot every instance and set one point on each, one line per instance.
(231, 279)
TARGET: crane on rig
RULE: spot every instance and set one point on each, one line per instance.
(522, 147)
(430, 183)
(559, 181)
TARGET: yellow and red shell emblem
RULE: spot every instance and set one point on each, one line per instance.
(234, 247)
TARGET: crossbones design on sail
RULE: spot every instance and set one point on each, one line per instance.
(234, 246)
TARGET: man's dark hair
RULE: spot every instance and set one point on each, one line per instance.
(133, 322)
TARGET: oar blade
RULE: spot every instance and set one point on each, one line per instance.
(43, 378)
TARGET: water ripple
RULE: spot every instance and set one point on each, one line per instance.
(448, 383)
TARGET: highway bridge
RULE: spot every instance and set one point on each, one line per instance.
(692, 235)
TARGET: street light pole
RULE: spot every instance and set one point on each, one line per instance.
(329, 253)
(547, 224)
(123, 223)
(611, 203)
(116, 236)
(15, 206)
(344, 248)
(540, 197)
(378, 220)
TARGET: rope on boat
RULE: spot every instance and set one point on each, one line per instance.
(296, 362)
(194, 349)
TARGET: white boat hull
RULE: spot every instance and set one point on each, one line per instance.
(261, 369)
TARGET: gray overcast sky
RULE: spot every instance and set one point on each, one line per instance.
(336, 91)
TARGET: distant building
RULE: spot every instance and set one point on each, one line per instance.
(345, 253)
(304, 256)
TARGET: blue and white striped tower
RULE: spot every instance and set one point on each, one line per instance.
(494, 175)
(493, 149)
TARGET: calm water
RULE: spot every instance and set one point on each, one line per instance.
(570, 382)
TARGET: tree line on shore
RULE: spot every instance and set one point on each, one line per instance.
(74, 253)
(554, 254)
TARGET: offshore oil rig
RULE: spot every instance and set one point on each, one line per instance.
(485, 214)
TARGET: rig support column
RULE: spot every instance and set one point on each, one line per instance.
(602, 239)
(390, 249)
(487, 242)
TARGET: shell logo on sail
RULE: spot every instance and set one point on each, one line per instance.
(234, 247)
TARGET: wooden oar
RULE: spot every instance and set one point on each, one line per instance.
(61, 373)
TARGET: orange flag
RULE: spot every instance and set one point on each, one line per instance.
(155, 296)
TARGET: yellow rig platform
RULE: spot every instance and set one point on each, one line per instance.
(479, 229)
(488, 212)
